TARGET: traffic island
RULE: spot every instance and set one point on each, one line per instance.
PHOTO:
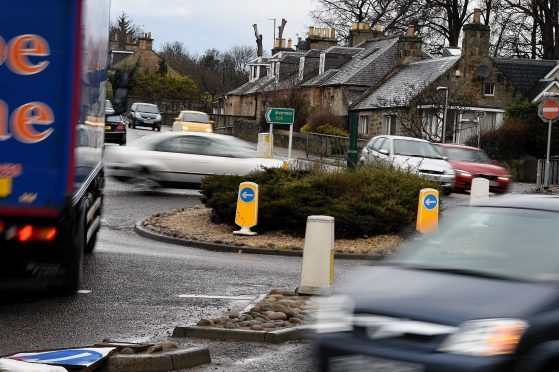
(159, 357)
(193, 227)
(278, 317)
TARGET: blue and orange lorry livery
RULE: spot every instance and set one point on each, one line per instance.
(53, 76)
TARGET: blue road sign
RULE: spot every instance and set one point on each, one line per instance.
(73, 357)
(247, 195)
(430, 202)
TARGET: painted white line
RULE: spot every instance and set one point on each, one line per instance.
(254, 302)
(83, 291)
(217, 297)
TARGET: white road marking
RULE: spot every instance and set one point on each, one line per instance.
(83, 291)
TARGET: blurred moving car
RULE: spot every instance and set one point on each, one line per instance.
(144, 114)
(481, 294)
(183, 159)
(410, 154)
(471, 162)
(115, 129)
(192, 121)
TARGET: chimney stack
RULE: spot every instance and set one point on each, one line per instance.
(475, 42)
(320, 38)
(409, 46)
(146, 42)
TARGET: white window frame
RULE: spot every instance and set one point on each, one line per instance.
(388, 121)
(492, 85)
(363, 126)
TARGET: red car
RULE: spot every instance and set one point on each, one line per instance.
(470, 163)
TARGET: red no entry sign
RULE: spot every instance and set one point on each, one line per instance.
(549, 109)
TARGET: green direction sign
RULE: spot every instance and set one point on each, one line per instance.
(280, 116)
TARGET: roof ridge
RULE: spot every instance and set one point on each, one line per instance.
(433, 60)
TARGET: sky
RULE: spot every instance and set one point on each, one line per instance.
(220, 24)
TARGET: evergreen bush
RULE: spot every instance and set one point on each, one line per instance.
(369, 200)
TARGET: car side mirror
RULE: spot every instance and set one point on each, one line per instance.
(177, 119)
(445, 157)
(383, 151)
(120, 88)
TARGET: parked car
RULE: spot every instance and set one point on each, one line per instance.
(481, 294)
(115, 129)
(109, 110)
(471, 162)
(192, 121)
(174, 159)
(144, 114)
(410, 154)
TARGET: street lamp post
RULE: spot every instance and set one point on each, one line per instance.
(445, 110)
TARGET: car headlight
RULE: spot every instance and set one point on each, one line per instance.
(504, 178)
(485, 337)
(449, 171)
(185, 127)
(158, 117)
(137, 115)
(334, 314)
(208, 130)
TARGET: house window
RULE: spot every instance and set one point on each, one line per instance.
(390, 124)
(363, 125)
(489, 89)
(330, 102)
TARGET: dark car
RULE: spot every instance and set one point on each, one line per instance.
(471, 162)
(481, 294)
(144, 114)
(115, 129)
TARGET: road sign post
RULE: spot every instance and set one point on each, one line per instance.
(247, 208)
(284, 116)
(548, 111)
(428, 211)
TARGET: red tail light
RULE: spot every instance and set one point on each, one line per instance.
(120, 127)
(29, 233)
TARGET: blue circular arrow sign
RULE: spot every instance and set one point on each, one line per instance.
(430, 202)
(247, 195)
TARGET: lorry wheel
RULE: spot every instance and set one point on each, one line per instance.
(72, 279)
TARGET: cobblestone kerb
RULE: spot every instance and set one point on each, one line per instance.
(211, 246)
(174, 360)
(273, 337)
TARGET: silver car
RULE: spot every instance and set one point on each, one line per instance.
(183, 159)
(410, 154)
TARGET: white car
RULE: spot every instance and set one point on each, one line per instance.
(183, 159)
(410, 154)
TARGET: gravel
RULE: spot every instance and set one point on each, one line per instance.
(195, 224)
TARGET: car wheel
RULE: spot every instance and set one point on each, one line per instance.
(145, 181)
(447, 192)
(159, 129)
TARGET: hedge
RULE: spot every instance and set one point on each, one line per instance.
(366, 201)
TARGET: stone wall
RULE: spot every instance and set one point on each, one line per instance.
(170, 108)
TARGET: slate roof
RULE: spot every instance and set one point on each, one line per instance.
(406, 84)
(366, 67)
(252, 86)
(526, 73)
(321, 79)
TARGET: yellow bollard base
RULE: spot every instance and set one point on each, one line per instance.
(245, 231)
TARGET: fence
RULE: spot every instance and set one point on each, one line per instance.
(553, 172)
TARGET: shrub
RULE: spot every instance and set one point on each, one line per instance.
(326, 119)
(366, 201)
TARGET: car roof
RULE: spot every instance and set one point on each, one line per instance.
(452, 145)
(193, 112)
(144, 104)
(403, 138)
(524, 201)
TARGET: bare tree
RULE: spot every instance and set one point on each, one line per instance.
(420, 110)
(445, 19)
(258, 36)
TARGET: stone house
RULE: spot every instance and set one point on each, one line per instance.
(133, 52)
(411, 100)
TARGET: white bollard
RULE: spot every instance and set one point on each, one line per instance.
(479, 192)
(263, 146)
(317, 272)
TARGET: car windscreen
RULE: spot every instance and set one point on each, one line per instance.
(461, 154)
(148, 109)
(415, 148)
(498, 242)
(113, 118)
(231, 147)
(195, 117)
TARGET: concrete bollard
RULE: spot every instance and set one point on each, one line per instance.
(317, 272)
(479, 192)
(263, 147)
(428, 211)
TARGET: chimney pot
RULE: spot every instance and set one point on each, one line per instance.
(477, 15)
(289, 43)
(411, 30)
(378, 27)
